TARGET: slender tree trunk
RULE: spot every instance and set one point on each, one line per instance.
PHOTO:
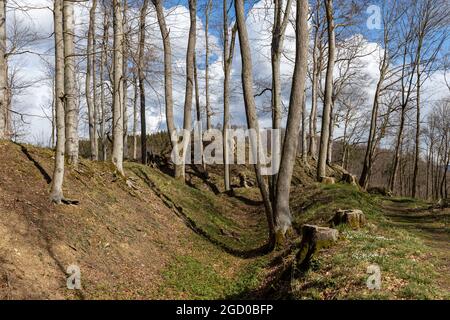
(56, 193)
(250, 108)
(141, 67)
(90, 62)
(417, 140)
(315, 91)
(190, 69)
(125, 79)
(326, 118)
(70, 85)
(304, 136)
(117, 152)
(228, 53)
(278, 34)
(368, 158)
(397, 153)
(331, 134)
(168, 79)
(103, 61)
(198, 112)
(135, 117)
(3, 72)
(208, 102)
(283, 218)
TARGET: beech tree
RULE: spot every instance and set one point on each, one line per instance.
(326, 117)
(56, 192)
(283, 217)
(71, 108)
(117, 151)
(3, 72)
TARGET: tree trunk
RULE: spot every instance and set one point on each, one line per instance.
(103, 61)
(208, 102)
(370, 149)
(190, 55)
(117, 152)
(135, 117)
(417, 140)
(278, 34)
(283, 218)
(325, 134)
(125, 79)
(90, 63)
(228, 53)
(304, 136)
(3, 72)
(56, 193)
(199, 134)
(141, 67)
(168, 79)
(317, 67)
(70, 85)
(250, 108)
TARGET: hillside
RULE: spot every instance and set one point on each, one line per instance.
(151, 237)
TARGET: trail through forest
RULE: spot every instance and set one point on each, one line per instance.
(430, 225)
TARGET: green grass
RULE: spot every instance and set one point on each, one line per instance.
(407, 265)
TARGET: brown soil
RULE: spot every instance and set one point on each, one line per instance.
(121, 237)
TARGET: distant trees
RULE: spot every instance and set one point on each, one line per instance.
(386, 140)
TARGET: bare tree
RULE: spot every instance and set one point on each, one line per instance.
(3, 72)
(326, 118)
(141, 75)
(250, 109)
(190, 66)
(168, 79)
(280, 24)
(283, 218)
(117, 152)
(56, 193)
(103, 62)
(208, 9)
(228, 53)
(90, 69)
(71, 107)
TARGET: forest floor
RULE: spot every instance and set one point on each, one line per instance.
(153, 237)
(430, 225)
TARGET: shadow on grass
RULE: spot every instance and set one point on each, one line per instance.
(191, 224)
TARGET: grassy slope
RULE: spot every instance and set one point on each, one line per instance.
(407, 262)
(127, 241)
(163, 239)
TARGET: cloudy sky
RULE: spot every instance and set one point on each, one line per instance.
(36, 99)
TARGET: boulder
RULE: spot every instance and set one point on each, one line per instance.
(353, 218)
(314, 238)
(328, 180)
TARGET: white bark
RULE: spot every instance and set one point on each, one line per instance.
(56, 193)
(71, 107)
(117, 152)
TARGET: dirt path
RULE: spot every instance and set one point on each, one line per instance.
(431, 225)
